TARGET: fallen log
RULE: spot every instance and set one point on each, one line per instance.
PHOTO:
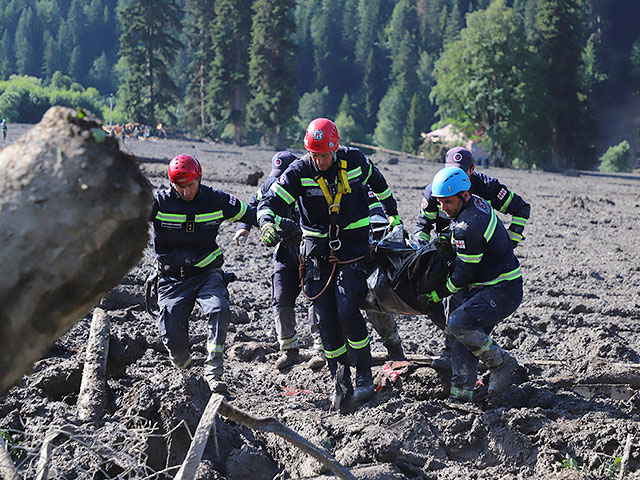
(264, 424)
(73, 222)
(92, 397)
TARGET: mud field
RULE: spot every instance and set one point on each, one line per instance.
(575, 407)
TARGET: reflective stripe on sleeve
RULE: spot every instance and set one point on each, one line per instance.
(512, 275)
(469, 258)
(282, 193)
(209, 258)
(518, 221)
(207, 217)
(171, 217)
(240, 214)
(506, 203)
(363, 222)
(384, 195)
(493, 222)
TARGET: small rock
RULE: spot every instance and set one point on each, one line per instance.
(252, 178)
(239, 315)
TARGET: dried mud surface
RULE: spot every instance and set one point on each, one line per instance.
(576, 336)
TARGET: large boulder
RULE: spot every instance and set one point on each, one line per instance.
(73, 221)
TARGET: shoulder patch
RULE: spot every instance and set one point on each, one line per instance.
(371, 194)
(459, 244)
(425, 204)
(481, 204)
(232, 200)
(282, 180)
(502, 193)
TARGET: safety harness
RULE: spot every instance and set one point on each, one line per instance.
(334, 228)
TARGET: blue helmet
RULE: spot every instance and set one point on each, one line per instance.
(450, 181)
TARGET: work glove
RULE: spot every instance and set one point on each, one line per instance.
(269, 234)
(394, 220)
(241, 236)
(515, 238)
(432, 297)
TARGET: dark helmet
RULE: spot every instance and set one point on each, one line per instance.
(184, 169)
(280, 162)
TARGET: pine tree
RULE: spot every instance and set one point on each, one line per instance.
(411, 138)
(228, 88)
(148, 46)
(559, 46)
(197, 25)
(392, 117)
(272, 70)
(27, 62)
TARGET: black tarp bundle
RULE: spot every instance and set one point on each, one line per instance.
(401, 273)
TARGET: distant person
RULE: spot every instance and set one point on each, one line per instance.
(501, 199)
(486, 284)
(4, 130)
(186, 218)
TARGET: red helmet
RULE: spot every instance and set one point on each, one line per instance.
(184, 169)
(321, 136)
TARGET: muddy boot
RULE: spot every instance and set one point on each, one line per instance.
(317, 360)
(342, 386)
(502, 375)
(288, 358)
(395, 352)
(364, 385)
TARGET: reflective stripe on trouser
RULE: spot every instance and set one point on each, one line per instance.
(176, 299)
(285, 288)
(386, 326)
(337, 311)
(470, 324)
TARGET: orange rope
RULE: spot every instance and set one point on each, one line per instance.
(334, 261)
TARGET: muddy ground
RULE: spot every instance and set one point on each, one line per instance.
(575, 406)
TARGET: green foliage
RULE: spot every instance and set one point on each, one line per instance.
(481, 78)
(25, 99)
(391, 118)
(617, 158)
(272, 70)
(609, 467)
(349, 129)
(312, 105)
(16, 451)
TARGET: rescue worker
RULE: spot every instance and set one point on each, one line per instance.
(4, 130)
(186, 218)
(327, 183)
(486, 281)
(495, 193)
(285, 280)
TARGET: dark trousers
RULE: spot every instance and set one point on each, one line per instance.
(480, 310)
(285, 288)
(341, 325)
(176, 299)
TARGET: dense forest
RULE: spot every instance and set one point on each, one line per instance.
(522, 77)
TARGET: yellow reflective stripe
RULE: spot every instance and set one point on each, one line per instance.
(356, 172)
(518, 221)
(375, 205)
(470, 258)
(366, 179)
(171, 217)
(308, 182)
(506, 202)
(207, 217)
(282, 193)
(287, 343)
(451, 287)
(484, 348)
(383, 195)
(359, 345)
(423, 236)
(516, 237)
(512, 275)
(209, 258)
(265, 211)
(259, 195)
(461, 393)
(336, 353)
(430, 215)
(243, 210)
(488, 233)
(363, 222)
(213, 348)
(311, 233)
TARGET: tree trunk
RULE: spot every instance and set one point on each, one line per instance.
(73, 221)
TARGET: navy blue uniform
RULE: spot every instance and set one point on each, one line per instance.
(499, 197)
(487, 284)
(184, 240)
(285, 279)
(337, 308)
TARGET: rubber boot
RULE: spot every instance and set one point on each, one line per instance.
(395, 351)
(364, 385)
(213, 373)
(502, 375)
(288, 358)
